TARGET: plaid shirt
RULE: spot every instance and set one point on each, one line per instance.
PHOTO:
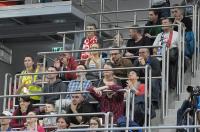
(114, 104)
(75, 85)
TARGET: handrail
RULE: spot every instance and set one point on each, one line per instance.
(102, 49)
(116, 28)
(135, 10)
(129, 128)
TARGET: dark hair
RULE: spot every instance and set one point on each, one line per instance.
(156, 12)
(54, 68)
(138, 30)
(165, 18)
(32, 58)
(134, 70)
(67, 121)
(30, 107)
(92, 24)
(50, 102)
(108, 63)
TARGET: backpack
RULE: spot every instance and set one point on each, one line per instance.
(189, 44)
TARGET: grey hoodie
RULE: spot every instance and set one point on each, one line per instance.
(57, 86)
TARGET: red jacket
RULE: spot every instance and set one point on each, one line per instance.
(114, 104)
(72, 64)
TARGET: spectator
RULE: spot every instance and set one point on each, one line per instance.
(118, 40)
(79, 105)
(109, 101)
(133, 83)
(167, 37)
(189, 35)
(108, 77)
(137, 39)
(54, 85)
(162, 3)
(153, 20)
(5, 127)
(145, 59)
(90, 39)
(32, 123)
(49, 110)
(188, 10)
(119, 62)
(81, 83)
(170, 38)
(62, 123)
(94, 62)
(25, 106)
(95, 123)
(27, 84)
(178, 14)
(59, 65)
(69, 64)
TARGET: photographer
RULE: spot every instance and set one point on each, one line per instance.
(190, 106)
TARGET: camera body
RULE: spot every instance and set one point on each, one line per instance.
(195, 91)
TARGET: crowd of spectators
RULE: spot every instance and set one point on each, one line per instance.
(105, 87)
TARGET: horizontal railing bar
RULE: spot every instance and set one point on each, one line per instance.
(74, 71)
(135, 10)
(55, 93)
(102, 49)
(116, 28)
(55, 115)
(129, 128)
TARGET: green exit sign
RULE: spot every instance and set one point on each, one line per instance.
(56, 49)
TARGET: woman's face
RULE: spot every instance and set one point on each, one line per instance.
(23, 104)
(28, 62)
(31, 120)
(93, 124)
(132, 76)
(62, 124)
(94, 46)
(107, 73)
(57, 63)
(49, 108)
(117, 39)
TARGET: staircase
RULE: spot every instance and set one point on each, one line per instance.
(170, 119)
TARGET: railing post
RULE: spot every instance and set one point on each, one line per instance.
(6, 85)
(127, 108)
(163, 81)
(179, 59)
(133, 105)
(146, 94)
(150, 90)
(167, 82)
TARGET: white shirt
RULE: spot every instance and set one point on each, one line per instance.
(162, 38)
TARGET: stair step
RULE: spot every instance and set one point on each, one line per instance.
(167, 130)
(170, 120)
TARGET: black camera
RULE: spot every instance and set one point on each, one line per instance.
(194, 90)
